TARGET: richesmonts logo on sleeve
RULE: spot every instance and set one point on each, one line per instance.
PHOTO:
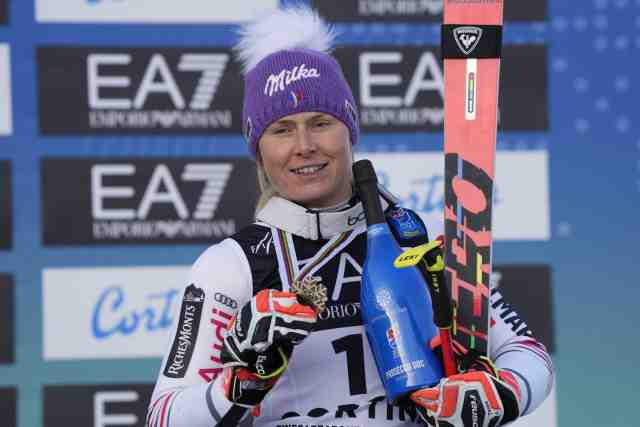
(187, 332)
(119, 91)
(401, 88)
(7, 318)
(6, 119)
(417, 10)
(6, 208)
(136, 200)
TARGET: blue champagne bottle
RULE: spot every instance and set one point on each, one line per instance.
(396, 304)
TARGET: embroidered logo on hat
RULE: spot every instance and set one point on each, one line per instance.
(277, 82)
(351, 110)
(248, 129)
(297, 97)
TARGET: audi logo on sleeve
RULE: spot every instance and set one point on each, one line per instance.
(138, 90)
(139, 200)
(225, 300)
(417, 10)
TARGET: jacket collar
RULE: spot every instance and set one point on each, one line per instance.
(312, 224)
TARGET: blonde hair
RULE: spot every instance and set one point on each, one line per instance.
(267, 191)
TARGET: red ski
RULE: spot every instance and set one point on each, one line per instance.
(471, 47)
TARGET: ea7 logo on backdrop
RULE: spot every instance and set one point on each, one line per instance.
(401, 88)
(398, 89)
(140, 90)
(467, 38)
(215, 177)
(144, 200)
(162, 189)
(157, 78)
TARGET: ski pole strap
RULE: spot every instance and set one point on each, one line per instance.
(471, 41)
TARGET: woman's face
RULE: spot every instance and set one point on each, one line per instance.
(307, 158)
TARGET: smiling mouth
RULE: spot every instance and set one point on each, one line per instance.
(309, 170)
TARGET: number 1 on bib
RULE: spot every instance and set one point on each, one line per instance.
(471, 48)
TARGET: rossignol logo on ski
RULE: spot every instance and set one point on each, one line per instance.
(467, 38)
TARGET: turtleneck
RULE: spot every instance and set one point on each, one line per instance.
(313, 224)
(340, 206)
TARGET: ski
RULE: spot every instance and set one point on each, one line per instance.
(471, 47)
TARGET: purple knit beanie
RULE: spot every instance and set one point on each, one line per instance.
(295, 80)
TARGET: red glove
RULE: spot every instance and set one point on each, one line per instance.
(484, 396)
(260, 341)
(247, 386)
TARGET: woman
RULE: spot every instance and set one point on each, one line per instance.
(244, 340)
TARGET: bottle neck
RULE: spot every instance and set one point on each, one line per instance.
(368, 194)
